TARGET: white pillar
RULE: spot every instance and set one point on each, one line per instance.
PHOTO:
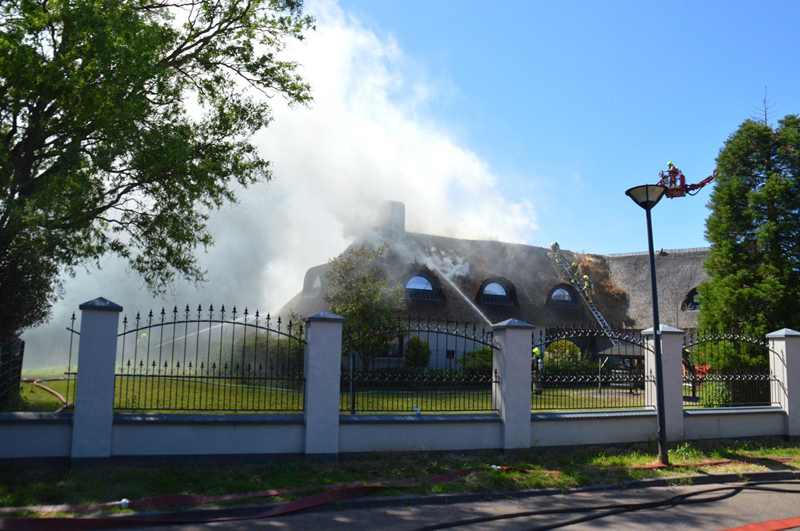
(94, 389)
(672, 365)
(512, 393)
(322, 365)
(784, 363)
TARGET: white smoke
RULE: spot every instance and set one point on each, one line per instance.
(365, 139)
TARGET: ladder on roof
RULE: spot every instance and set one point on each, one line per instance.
(561, 263)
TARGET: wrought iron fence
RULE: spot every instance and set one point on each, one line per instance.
(209, 362)
(723, 369)
(587, 368)
(416, 366)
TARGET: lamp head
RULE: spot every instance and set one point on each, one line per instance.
(647, 195)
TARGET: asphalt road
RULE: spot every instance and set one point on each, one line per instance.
(745, 507)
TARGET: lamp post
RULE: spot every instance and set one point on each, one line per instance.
(647, 196)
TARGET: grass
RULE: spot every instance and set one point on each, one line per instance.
(23, 485)
(156, 395)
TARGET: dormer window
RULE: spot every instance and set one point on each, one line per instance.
(494, 292)
(420, 287)
(314, 282)
(562, 297)
(692, 301)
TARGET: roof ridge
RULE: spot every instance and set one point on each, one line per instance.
(686, 250)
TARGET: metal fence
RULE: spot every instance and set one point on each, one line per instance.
(587, 368)
(726, 369)
(418, 367)
(11, 353)
(209, 361)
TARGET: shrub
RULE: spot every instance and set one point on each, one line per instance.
(417, 352)
(716, 394)
(479, 360)
(562, 356)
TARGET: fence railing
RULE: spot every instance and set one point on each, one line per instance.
(416, 366)
(11, 354)
(587, 368)
(722, 369)
(207, 361)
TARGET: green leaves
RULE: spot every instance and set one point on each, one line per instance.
(123, 123)
(754, 231)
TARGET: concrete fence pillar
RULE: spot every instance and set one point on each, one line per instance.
(784, 363)
(322, 364)
(94, 388)
(512, 392)
(672, 365)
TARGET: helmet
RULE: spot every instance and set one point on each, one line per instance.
(585, 277)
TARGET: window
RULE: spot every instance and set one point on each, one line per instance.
(421, 287)
(561, 294)
(494, 288)
(493, 292)
(314, 287)
(419, 283)
(692, 301)
(562, 297)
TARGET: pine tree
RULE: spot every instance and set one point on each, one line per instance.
(754, 231)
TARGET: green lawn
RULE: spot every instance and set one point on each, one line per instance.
(209, 396)
(26, 485)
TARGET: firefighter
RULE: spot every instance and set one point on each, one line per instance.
(537, 361)
(573, 269)
(556, 252)
(588, 286)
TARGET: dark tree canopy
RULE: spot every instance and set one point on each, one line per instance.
(754, 231)
(123, 123)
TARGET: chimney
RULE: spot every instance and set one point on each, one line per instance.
(393, 217)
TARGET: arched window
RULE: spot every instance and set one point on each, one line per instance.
(314, 283)
(421, 287)
(561, 294)
(562, 297)
(692, 301)
(419, 283)
(494, 292)
(493, 288)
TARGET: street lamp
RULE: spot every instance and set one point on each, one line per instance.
(647, 196)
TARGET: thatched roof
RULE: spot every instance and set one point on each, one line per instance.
(678, 272)
(621, 282)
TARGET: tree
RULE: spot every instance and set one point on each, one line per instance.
(359, 291)
(123, 123)
(754, 231)
(417, 353)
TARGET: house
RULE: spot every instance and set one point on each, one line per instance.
(488, 282)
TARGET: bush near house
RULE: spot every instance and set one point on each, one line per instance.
(417, 352)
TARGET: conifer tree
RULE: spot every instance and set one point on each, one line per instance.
(754, 231)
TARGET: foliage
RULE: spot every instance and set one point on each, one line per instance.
(479, 360)
(754, 231)
(359, 291)
(562, 355)
(262, 355)
(716, 394)
(416, 352)
(122, 125)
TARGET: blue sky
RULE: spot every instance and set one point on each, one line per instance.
(571, 103)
